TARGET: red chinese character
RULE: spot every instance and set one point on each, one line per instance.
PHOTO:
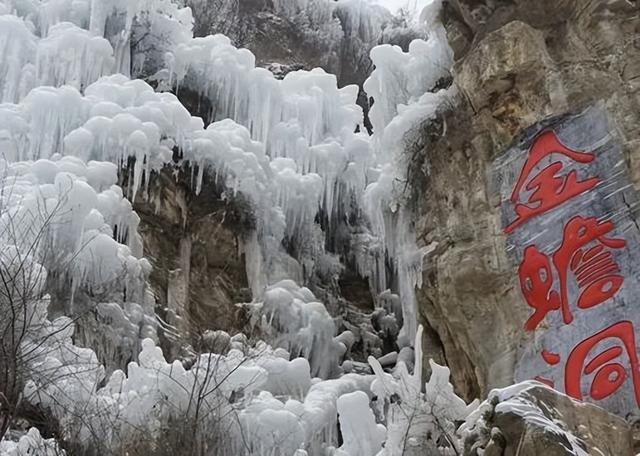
(608, 376)
(548, 190)
(551, 359)
(593, 268)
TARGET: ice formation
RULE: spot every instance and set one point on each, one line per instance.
(86, 207)
(76, 223)
(306, 120)
(300, 159)
(262, 402)
(293, 319)
(418, 421)
(400, 86)
(31, 443)
(17, 59)
(360, 433)
(73, 121)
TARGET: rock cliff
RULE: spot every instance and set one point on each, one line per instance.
(517, 63)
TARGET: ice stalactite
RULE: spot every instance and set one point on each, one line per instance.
(138, 32)
(291, 317)
(76, 222)
(308, 160)
(17, 68)
(85, 207)
(71, 55)
(306, 108)
(118, 118)
(401, 86)
(67, 54)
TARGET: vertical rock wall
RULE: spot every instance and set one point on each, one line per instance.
(518, 63)
(193, 241)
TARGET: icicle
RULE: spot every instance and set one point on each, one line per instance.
(71, 55)
(17, 55)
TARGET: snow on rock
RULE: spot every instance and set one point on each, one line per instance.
(520, 402)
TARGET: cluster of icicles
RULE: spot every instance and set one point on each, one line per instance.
(71, 116)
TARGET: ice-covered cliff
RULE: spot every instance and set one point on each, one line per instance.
(95, 114)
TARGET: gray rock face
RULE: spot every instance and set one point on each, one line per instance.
(534, 420)
(517, 64)
(577, 255)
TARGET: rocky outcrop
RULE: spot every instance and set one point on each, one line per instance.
(518, 63)
(533, 420)
(193, 243)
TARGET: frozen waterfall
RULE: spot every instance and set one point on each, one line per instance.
(74, 118)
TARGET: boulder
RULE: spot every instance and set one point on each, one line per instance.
(530, 419)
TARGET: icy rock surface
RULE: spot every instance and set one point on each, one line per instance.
(535, 418)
